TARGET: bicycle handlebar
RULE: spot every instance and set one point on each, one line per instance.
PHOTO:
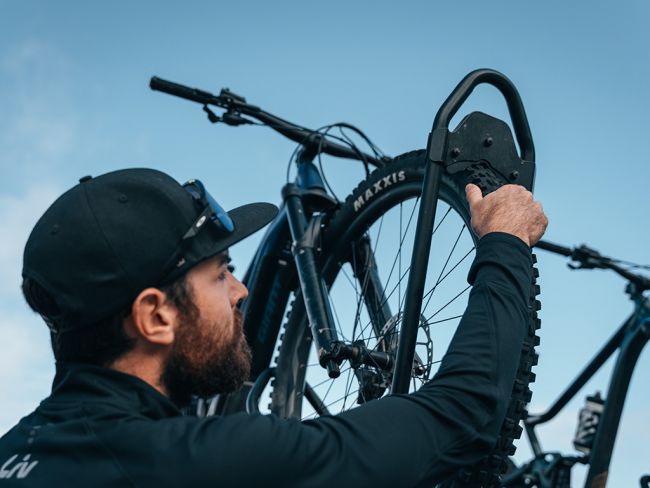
(182, 91)
(555, 248)
(590, 258)
(237, 104)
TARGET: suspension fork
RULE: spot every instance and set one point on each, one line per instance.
(314, 290)
(299, 198)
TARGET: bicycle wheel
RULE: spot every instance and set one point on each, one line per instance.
(365, 253)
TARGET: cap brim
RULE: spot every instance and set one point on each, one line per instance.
(248, 219)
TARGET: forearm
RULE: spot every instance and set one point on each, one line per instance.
(455, 418)
(482, 359)
(405, 440)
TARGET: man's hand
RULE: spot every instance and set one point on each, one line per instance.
(509, 209)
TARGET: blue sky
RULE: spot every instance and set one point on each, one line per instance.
(74, 99)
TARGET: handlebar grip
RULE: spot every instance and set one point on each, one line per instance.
(182, 91)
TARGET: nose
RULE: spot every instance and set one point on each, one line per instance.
(239, 292)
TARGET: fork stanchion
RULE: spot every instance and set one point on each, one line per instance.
(314, 290)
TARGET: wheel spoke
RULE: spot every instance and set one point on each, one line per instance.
(329, 388)
(348, 385)
(392, 268)
(403, 275)
(399, 253)
(449, 302)
(428, 294)
(368, 295)
(444, 267)
(314, 400)
(329, 379)
(338, 400)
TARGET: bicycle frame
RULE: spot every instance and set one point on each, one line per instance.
(293, 235)
(630, 339)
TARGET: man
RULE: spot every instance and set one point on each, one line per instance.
(130, 272)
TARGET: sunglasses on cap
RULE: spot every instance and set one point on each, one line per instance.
(212, 211)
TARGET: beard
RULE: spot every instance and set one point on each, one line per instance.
(201, 363)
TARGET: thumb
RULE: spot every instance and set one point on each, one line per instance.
(473, 194)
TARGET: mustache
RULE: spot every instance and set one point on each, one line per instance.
(238, 316)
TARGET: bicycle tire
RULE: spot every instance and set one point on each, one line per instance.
(368, 203)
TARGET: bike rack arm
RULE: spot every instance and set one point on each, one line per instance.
(459, 95)
(437, 155)
(230, 101)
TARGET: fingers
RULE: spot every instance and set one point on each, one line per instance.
(473, 193)
(541, 223)
(510, 209)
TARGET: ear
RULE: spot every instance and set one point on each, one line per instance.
(153, 318)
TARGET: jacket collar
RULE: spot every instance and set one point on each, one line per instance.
(94, 385)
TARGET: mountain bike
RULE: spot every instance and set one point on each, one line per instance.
(599, 419)
(366, 316)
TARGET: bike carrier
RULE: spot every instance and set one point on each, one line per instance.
(478, 138)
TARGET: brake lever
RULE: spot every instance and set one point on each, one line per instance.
(234, 118)
(588, 258)
(212, 117)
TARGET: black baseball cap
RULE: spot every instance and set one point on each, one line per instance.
(108, 238)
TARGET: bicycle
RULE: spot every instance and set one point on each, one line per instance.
(599, 419)
(385, 345)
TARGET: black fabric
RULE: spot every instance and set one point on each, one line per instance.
(104, 428)
(108, 238)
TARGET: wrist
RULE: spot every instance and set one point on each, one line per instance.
(523, 238)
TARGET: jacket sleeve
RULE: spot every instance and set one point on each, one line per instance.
(401, 440)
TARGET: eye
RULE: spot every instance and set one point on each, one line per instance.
(223, 274)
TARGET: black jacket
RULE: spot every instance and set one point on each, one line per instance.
(100, 427)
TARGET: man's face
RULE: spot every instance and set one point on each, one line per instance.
(210, 354)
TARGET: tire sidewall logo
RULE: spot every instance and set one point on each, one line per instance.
(377, 187)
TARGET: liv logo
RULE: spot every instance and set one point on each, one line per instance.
(20, 470)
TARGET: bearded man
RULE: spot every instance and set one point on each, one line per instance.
(130, 271)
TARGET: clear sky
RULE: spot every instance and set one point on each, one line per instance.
(74, 100)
